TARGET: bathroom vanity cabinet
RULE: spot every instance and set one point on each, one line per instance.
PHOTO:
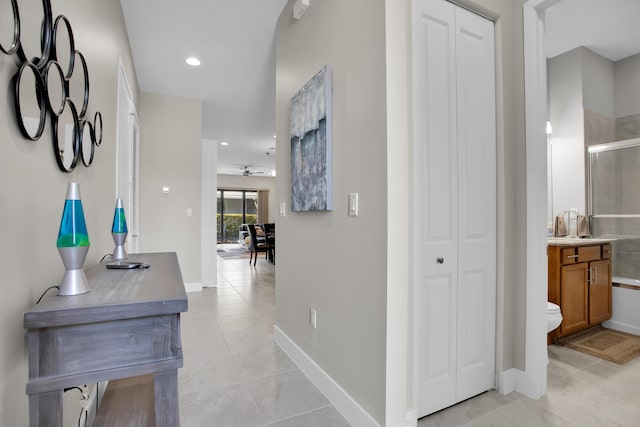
(580, 283)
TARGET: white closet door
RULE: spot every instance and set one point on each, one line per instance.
(476, 203)
(437, 204)
(454, 164)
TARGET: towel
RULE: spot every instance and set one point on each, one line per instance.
(561, 226)
(583, 226)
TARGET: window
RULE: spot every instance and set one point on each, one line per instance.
(234, 208)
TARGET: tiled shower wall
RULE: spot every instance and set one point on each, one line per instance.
(615, 189)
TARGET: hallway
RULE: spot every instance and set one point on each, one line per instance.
(235, 375)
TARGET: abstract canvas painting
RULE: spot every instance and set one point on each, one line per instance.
(311, 168)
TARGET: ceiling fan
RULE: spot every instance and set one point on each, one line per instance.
(248, 172)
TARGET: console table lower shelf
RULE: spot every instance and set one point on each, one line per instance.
(127, 326)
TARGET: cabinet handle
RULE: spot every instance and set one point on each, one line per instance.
(588, 276)
(572, 256)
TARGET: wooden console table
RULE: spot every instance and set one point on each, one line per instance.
(128, 325)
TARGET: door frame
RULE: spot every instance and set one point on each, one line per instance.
(127, 174)
(534, 381)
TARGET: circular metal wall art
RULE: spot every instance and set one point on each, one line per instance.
(15, 43)
(66, 137)
(87, 142)
(52, 82)
(54, 87)
(44, 29)
(30, 101)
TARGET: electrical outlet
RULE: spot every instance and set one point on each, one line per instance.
(312, 317)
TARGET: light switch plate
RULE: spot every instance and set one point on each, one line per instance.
(353, 204)
(283, 209)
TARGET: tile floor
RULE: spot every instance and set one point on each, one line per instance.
(234, 375)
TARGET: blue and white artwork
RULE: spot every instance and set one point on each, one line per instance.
(311, 177)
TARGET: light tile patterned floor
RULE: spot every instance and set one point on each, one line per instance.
(234, 375)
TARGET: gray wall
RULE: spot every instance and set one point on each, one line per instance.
(329, 260)
(33, 188)
(627, 86)
(170, 145)
(342, 265)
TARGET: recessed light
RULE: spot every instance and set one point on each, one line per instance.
(273, 173)
(193, 61)
(224, 143)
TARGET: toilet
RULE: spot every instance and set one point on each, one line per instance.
(554, 316)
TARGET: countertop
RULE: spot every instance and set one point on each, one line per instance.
(577, 241)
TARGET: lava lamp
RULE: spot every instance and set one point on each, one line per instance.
(73, 244)
(119, 231)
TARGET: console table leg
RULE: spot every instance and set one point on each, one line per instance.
(45, 409)
(165, 387)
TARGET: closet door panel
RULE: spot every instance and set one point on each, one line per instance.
(435, 168)
(477, 203)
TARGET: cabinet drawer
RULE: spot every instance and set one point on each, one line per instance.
(606, 251)
(568, 256)
(589, 253)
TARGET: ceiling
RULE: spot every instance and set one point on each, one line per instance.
(609, 28)
(235, 41)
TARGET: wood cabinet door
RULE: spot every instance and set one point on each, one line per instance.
(600, 291)
(574, 298)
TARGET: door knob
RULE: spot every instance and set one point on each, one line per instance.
(440, 260)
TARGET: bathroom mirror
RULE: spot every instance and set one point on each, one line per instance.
(86, 142)
(53, 80)
(63, 46)
(97, 128)
(30, 104)
(9, 26)
(79, 85)
(66, 138)
(35, 33)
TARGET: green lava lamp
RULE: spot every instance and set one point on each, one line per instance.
(73, 244)
(119, 231)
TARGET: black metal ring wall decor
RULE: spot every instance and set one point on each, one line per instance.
(52, 88)
(15, 43)
(86, 131)
(85, 77)
(55, 47)
(97, 116)
(45, 39)
(39, 93)
(59, 149)
(58, 107)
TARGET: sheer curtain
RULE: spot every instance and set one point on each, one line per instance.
(263, 206)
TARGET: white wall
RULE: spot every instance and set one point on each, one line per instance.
(627, 86)
(597, 83)
(33, 188)
(239, 182)
(567, 140)
(170, 146)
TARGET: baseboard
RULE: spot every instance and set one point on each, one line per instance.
(623, 327)
(339, 398)
(507, 381)
(193, 287)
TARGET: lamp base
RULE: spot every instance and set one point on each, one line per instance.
(74, 282)
(119, 252)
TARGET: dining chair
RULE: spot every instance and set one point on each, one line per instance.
(257, 246)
